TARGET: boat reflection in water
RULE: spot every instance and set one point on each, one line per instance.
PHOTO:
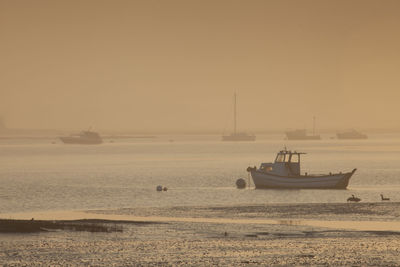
(284, 173)
(83, 138)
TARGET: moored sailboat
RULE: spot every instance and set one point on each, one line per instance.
(301, 134)
(237, 136)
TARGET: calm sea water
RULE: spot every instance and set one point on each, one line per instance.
(37, 175)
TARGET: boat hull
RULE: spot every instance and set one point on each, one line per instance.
(80, 141)
(351, 136)
(301, 134)
(238, 138)
(308, 137)
(265, 180)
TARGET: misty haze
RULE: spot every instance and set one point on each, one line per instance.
(174, 65)
(198, 133)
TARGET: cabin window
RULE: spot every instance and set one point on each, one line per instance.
(295, 158)
(280, 158)
(266, 168)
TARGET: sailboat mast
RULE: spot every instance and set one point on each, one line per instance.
(234, 114)
(313, 126)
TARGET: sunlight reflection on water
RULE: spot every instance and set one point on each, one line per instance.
(198, 170)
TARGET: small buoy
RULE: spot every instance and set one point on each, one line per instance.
(165, 189)
(159, 188)
(240, 183)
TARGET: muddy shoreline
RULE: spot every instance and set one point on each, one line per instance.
(327, 211)
(208, 240)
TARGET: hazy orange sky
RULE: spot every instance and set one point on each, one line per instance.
(174, 65)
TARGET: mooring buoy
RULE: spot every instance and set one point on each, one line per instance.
(240, 183)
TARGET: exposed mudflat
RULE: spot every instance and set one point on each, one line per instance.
(205, 242)
(378, 211)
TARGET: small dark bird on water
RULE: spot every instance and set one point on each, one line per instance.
(384, 198)
(353, 199)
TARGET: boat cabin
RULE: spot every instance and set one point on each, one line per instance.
(89, 134)
(287, 163)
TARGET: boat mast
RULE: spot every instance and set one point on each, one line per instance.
(234, 114)
(313, 133)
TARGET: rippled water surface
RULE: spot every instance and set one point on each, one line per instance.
(198, 171)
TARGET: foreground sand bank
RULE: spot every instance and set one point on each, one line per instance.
(258, 235)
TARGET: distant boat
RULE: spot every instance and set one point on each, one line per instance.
(301, 134)
(237, 136)
(352, 134)
(83, 138)
(284, 173)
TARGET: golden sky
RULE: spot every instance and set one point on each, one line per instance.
(174, 65)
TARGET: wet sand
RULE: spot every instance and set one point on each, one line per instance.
(230, 235)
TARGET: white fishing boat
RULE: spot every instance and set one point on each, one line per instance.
(284, 173)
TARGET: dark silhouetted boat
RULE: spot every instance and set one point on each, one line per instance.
(352, 134)
(83, 138)
(237, 136)
(284, 173)
(301, 134)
